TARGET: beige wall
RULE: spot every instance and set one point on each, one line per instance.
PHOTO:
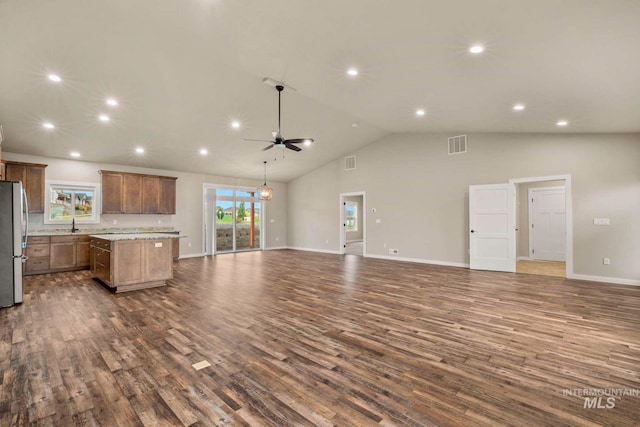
(189, 207)
(416, 169)
(522, 213)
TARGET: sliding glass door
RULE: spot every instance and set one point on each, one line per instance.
(238, 220)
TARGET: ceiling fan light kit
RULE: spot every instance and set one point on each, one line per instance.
(265, 192)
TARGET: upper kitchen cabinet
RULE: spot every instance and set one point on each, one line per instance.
(32, 177)
(112, 190)
(132, 193)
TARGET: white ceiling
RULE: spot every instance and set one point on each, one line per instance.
(184, 69)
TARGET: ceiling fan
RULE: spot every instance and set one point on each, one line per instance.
(278, 140)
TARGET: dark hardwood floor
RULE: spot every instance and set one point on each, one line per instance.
(298, 338)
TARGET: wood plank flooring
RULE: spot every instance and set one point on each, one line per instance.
(298, 338)
(543, 268)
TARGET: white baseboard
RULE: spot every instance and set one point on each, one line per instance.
(354, 241)
(275, 248)
(324, 251)
(524, 258)
(603, 279)
(419, 260)
(191, 256)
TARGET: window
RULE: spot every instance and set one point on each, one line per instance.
(351, 216)
(65, 201)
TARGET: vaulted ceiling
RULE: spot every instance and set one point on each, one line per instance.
(183, 70)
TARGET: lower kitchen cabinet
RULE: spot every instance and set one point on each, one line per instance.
(126, 265)
(37, 252)
(50, 254)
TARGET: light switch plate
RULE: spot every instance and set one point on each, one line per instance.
(601, 221)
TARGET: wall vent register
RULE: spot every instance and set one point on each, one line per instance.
(458, 144)
(349, 163)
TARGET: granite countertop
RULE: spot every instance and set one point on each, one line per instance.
(136, 236)
(87, 231)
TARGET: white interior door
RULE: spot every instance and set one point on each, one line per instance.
(547, 224)
(492, 233)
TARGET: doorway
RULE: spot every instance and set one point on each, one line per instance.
(233, 220)
(544, 239)
(352, 224)
(499, 237)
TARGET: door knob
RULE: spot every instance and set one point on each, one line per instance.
(473, 231)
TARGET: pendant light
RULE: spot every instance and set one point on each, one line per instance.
(264, 190)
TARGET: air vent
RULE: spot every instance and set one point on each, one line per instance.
(458, 144)
(349, 163)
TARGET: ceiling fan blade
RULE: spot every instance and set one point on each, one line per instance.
(268, 147)
(292, 147)
(298, 140)
(259, 140)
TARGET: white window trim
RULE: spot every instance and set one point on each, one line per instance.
(90, 186)
(355, 216)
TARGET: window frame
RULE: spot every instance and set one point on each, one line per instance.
(73, 187)
(355, 216)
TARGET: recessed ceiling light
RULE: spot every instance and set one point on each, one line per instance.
(48, 125)
(104, 118)
(140, 150)
(112, 102)
(518, 107)
(74, 154)
(562, 123)
(352, 72)
(307, 142)
(204, 151)
(476, 49)
(420, 112)
(54, 78)
(235, 124)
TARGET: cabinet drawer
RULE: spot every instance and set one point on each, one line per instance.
(37, 264)
(35, 240)
(34, 250)
(69, 239)
(102, 244)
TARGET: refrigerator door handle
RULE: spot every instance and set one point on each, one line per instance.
(26, 218)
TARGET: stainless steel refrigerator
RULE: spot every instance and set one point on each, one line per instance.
(13, 238)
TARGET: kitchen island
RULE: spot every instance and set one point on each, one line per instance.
(127, 262)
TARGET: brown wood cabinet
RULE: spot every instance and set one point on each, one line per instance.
(37, 251)
(32, 176)
(126, 265)
(48, 254)
(131, 193)
(150, 195)
(112, 186)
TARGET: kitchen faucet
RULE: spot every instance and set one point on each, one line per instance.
(73, 226)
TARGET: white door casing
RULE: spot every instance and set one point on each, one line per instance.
(492, 234)
(547, 223)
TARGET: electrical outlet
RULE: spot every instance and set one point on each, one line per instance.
(115, 221)
(277, 238)
(327, 241)
(158, 244)
(189, 244)
(385, 246)
(393, 252)
(378, 220)
(606, 261)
